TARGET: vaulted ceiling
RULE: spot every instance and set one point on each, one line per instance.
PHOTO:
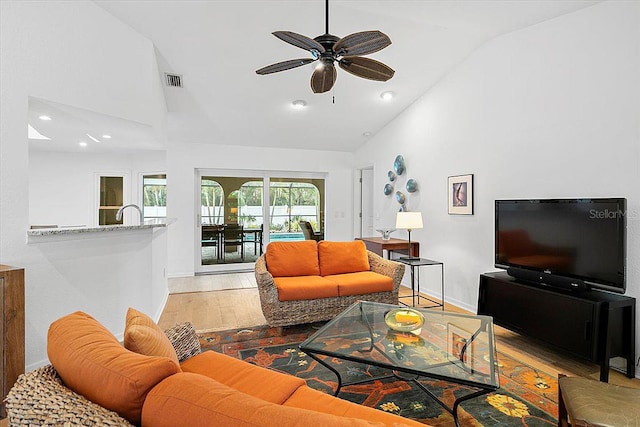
(217, 45)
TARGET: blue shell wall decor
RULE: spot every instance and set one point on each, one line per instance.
(398, 164)
(391, 175)
(400, 197)
(388, 189)
(412, 185)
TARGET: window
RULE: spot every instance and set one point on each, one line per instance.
(111, 190)
(154, 196)
(294, 200)
(212, 201)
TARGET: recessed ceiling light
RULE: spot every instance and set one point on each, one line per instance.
(105, 136)
(366, 133)
(82, 144)
(299, 104)
(44, 117)
(387, 96)
(93, 138)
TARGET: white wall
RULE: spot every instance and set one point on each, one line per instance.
(549, 111)
(62, 186)
(184, 159)
(73, 53)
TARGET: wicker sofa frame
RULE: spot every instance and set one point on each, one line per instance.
(285, 313)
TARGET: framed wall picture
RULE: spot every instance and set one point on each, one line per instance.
(460, 195)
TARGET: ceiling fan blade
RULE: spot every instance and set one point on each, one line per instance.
(284, 65)
(299, 40)
(362, 43)
(366, 68)
(323, 78)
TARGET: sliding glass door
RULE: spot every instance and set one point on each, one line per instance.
(231, 220)
(240, 212)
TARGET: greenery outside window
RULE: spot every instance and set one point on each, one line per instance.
(212, 202)
(154, 195)
(294, 200)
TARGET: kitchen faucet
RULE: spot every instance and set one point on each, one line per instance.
(119, 213)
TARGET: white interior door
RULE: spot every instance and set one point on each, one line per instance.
(366, 208)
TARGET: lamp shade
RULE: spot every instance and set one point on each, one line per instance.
(409, 220)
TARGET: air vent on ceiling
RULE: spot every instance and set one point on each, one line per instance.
(173, 80)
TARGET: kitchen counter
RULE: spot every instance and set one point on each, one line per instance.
(40, 234)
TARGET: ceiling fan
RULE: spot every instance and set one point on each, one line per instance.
(329, 49)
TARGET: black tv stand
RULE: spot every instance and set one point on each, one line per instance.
(593, 325)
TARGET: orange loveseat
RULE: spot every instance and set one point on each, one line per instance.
(152, 381)
(305, 281)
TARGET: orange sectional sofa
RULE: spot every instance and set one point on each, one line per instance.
(308, 281)
(153, 381)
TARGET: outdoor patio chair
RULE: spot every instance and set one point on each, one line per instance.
(309, 234)
(233, 235)
(211, 237)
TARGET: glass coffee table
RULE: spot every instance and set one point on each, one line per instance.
(453, 347)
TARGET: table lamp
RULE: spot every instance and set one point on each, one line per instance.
(409, 221)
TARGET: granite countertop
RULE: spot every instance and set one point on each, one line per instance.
(58, 231)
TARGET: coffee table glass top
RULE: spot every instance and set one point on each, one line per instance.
(455, 347)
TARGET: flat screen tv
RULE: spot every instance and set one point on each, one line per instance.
(575, 244)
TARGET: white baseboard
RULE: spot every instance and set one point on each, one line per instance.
(176, 275)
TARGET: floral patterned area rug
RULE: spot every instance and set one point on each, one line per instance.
(527, 396)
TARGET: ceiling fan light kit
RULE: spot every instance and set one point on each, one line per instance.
(328, 49)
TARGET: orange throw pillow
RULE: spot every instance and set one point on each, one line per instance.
(342, 257)
(288, 259)
(143, 336)
(91, 362)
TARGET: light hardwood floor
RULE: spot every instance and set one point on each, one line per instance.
(223, 301)
(232, 301)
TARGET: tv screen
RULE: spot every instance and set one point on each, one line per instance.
(576, 243)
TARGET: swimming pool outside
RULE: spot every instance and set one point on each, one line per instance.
(279, 237)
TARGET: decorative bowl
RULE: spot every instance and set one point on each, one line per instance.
(386, 232)
(404, 319)
(388, 189)
(391, 175)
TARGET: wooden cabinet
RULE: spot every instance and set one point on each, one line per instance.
(593, 325)
(11, 328)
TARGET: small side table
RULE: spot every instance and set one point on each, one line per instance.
(414, 266)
